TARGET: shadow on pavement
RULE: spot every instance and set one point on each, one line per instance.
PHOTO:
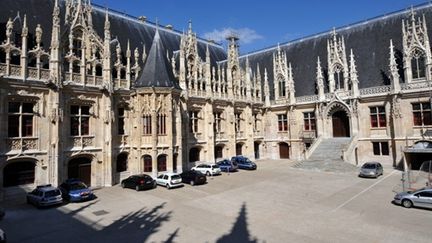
(239, 231)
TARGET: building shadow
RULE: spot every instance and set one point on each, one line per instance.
(239, 232)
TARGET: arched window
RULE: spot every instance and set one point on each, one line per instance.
(338, 77)
(418, 64)
(281, 83)
(148, 163)
(162, 162)
(19, 173)
(122, 162)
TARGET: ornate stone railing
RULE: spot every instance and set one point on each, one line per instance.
(32, 73)
(22, 144)
(99, 81)
(240, 134)
(44, 74)
(416, 85)
(307, 99)
(375, 90)
(76, 78)
(15, 70)
(220, 136)
(3, 68)
(258, 134)
(83, 141)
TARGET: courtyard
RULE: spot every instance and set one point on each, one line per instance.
(276, 203)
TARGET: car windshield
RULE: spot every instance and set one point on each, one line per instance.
(175, 177)
(369, 166)
(52, 193)
(78, 186)
(215, 166)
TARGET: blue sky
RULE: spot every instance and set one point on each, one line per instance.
(260, 24)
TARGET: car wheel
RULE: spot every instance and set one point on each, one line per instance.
(168, 186)
(123, 185)
(407, 203)
(192, 183)
(208, 173)
(137, 188)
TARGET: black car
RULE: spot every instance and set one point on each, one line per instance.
(139, 182)
(193, 177)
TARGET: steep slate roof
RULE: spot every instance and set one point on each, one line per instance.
(123, 27)
(370, 41)
(157, 70)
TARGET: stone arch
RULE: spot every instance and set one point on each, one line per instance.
(239, 148)
(284, 150)
(147, 163)
(339, 114)
(337, 106)
(80, 167)
(122, 162)
(195, 154)
(19, 172)
(218, 151)
(162, 162)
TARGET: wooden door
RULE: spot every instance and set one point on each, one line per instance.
(239, 149)
(218, 152)
(84, 173)
(340, 124)
(284, 151)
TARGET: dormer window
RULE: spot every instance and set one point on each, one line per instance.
(418, 65)
(338, 77)
(281, 83)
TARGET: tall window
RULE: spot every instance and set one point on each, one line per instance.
(282, 123)
(147, 125)
(282, 91)
(256, 121)
(20, 119)
(422, 114)
(338, 77)
(80, 120)
(309, 121)
(237, 122)
(418, 65)
(161, 124)
(378, 116)
(148, 163)
(193, 122)
(217, 122)
(380, 148)
(121, 119)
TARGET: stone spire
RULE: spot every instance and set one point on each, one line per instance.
(394, 69)
(55, 46)
(290, 85)
(354, 76)
(320, 81)
(266, 88)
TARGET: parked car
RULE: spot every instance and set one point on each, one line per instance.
(169, 180)
(193, 177)
(227, 165)
(371, 169)
(45, 195)
(208, 169)
(139, 182)
(74, 190)
(420, 198)
(244, 163)
(2, 213)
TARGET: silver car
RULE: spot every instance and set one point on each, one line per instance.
(45, 195)
(420, 198)
(371, 169)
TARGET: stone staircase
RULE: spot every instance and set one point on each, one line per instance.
(328, 157)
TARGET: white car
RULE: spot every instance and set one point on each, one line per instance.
(208, 169)
(169, 180)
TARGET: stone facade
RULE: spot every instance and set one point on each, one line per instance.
(74, 108)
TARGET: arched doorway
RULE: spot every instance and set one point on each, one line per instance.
(284, 151)
(218, 151)
(239, 148)
(122, 162)
(194, 154)
(162, 163)
(19, 173)
(80, 168)
(341, 127)
(257, 150)
(148, 163)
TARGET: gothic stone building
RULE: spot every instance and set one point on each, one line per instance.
(99, 95)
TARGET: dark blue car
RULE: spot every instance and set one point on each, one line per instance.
(244, 163)
(227, 165)
(74, 190)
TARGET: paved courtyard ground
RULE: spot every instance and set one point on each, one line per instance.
(276, 203)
